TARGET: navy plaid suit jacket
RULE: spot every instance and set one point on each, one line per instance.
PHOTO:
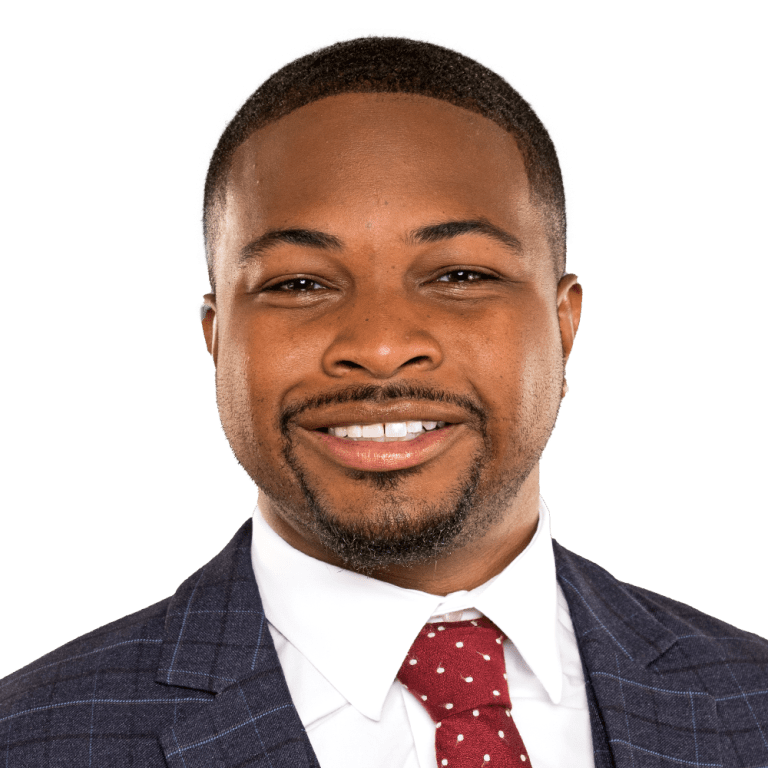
(194, 682)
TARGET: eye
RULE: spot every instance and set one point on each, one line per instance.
(463, 276)
(296, 285)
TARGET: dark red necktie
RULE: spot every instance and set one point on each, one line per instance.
(456, 670)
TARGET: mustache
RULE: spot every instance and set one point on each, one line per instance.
(371, 393)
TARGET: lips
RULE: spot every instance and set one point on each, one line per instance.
(376, 438)
(373, 456)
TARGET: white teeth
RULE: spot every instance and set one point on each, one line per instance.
(395, 429)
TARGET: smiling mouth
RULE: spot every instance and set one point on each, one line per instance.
(385, 432)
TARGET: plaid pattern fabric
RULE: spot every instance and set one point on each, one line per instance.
(194, 682)
(668, 685)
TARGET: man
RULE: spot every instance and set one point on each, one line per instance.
(390, 320)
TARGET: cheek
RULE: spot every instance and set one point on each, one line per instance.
(239, 405)
(506, 350)
(515, 366)
(260, 365)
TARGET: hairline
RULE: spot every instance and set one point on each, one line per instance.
(558, 241)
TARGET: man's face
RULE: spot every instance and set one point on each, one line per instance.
(381, 262)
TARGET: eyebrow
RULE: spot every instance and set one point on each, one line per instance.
(310, 238)
(432, 233)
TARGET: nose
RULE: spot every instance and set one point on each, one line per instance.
(382, 339)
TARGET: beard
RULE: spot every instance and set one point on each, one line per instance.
(400, 531)
(403, 530)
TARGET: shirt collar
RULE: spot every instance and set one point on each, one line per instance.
(356, 630)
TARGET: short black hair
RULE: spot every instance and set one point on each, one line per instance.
(394, 65)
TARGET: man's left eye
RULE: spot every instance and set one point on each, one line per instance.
(463, 276)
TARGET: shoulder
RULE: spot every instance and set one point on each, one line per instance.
(95, 694)
(688, 623)
(595, 592)
(665, 673)
(131, 642)
(111, 696)
(123, 654)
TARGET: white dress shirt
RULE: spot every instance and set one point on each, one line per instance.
(341, 638)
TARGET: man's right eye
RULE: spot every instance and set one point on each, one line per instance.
(296, 284)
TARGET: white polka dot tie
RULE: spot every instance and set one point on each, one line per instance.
(459, 676)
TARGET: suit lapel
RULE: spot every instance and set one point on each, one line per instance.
(217, 640)
(638, 714)
(600, 745)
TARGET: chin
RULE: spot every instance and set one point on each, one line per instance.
(398, 529)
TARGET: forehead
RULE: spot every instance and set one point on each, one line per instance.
(377, 160)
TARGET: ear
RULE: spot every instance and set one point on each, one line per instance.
(568, 311)
(210, 331)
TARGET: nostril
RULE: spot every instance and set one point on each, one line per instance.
(355, 351)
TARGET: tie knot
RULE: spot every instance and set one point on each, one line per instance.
(457, 666)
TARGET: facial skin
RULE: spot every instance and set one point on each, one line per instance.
(367, 316)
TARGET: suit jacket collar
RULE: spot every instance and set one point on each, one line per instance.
(637, 714)
(215, 630)
(607, 607)
(217, 640)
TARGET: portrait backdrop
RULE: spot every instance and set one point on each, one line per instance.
(117, 480)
